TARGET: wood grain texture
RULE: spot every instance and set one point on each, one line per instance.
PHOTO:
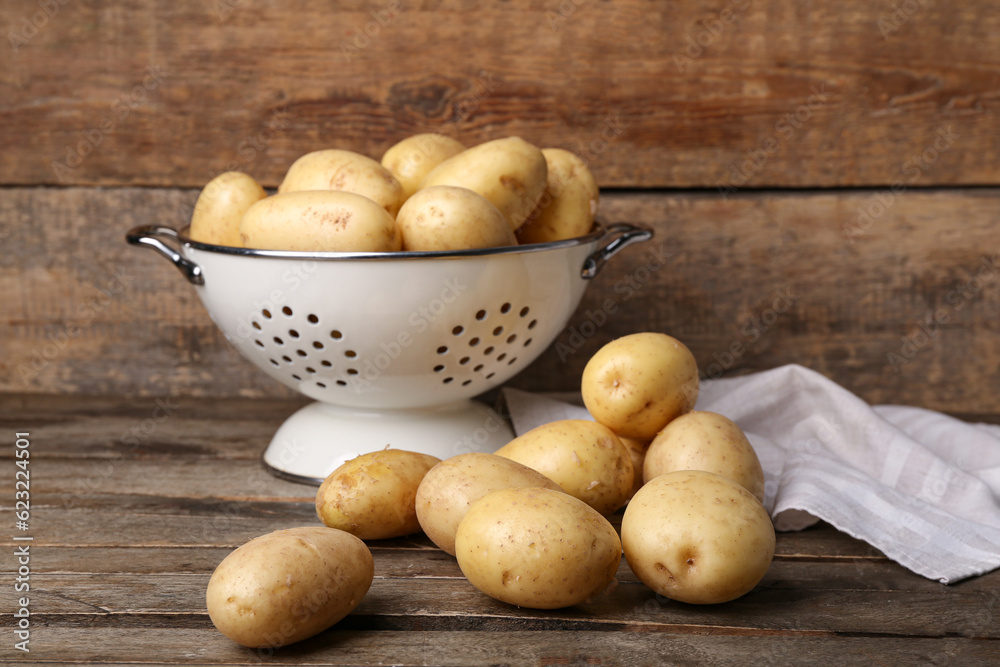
(897, 301)
(687, 94)
(118, 574)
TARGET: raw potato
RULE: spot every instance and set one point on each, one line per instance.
(345, 171)
(583, 457)
(569, 204)
(537, 548)
(373, 496)
(443, 217)
(288, 585)
(413, 158)
(702, 440)
(635, 385)
(220, 207)
(319, 221)
(697, 537)
(509, 172)
(449, 489)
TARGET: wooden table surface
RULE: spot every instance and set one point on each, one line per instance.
(134, 501)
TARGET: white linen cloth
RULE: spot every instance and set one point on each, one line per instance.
(920, 486)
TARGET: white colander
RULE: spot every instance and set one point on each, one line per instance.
(392, 347)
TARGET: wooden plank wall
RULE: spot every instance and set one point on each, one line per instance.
(840, 155)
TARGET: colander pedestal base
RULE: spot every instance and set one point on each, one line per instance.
(315, 440)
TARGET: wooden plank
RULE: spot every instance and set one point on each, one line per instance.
(782, 603)
(689, 94)
(863, 290)
(511, 647)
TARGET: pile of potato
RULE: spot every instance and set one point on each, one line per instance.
(528, 524)
(429, 193)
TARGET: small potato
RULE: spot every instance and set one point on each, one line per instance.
(635, 385)
(537, 548)
(586, 459)
(345, 171)
(697, 537)
(569, 204)
(702, 440)
(443, 217)
(373, 496)
(319, 221)
(414, 157)
(509, 172)
(220, 207)
(449, 489)
(288, 585)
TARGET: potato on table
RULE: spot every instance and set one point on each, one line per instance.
(537, 548)
(374, 495)
(288, 585)
(449, 489)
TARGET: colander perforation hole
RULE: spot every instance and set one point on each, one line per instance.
(443, 349)
(296, 377)
(439, 368)
(256, 325)
(312, 319)
(481, 315)
(505, 308)
(274, 362)
(326, 363)
(511, 338)
(501, 356)
(497, 331)
(478, 368)
(512, 360)
(458, 331)
(336, 335)
(473, 342)
(259, 344)
(527, 342)
(490, 375)
(448, 380)
(310, 370)
(321, 385)
(278, 341)
(524, 311)
(466, 383)
(301, 353)
(286, 358)
(352, 371)
(266, 313)
(287, 311)
(350, 354)
(341, 383)
(293, 333)
(318, 345)
(532, 324)
(464, 360)
(488, 351)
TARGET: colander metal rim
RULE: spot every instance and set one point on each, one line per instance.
(596, 233)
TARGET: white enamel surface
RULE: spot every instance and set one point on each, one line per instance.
(382, 345)
(314, 441)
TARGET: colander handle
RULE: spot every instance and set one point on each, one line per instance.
(146, 235)
(615, 237)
